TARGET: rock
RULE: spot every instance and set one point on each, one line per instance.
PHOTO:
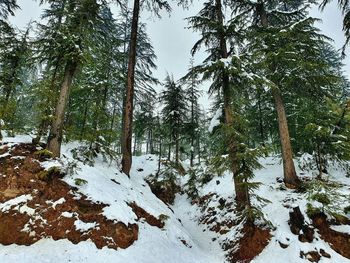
(296, 220)
(299, 227)
(284, 246)
(312, 256)
(324, 253)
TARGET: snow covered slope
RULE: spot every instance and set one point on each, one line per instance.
(183, 239)
(106, 184)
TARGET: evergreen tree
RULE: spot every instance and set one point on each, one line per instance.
(216, 35)
(14, 54)
(7, 8)
(154, 5)
(76, 20)
(174, 112)
(192, 93)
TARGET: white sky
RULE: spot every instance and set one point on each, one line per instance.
(173, 41)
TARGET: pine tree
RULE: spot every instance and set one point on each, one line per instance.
(215, 36)
(174, 112)
(7, 8)
(193, 93)
(289, 44)
(154, 5)
(14, 54)
(71, 38)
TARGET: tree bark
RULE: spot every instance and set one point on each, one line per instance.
(55, 136)
(261, 125)
(177, 149)
(242, 197)
(169, 151)
(290, 177)
(129, 105)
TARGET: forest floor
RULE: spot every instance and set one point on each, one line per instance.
(81, 213)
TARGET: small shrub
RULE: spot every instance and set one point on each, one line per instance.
(47, 175)
(347, 210)
(43, 154)
(311, 211)
(321, 198)
(80, 182)
(163, 218)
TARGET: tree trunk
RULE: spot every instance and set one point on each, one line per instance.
(129, 105)
(135, 144)
(82, 132)
(177, 149)
(169, 151)
(55, 136)
(193, 133)
(160, 157)
(199, 147)
(151, 142)
(242, 197)
(290, 177)
(261, 125)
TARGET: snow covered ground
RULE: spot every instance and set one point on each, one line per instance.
(183, 239)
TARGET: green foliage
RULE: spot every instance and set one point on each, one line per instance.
(321, 198)
(80, 182)
(347, 210)
(312, 211)
(325, 197)
(163, 218)
(255, 215)
(43, 154)
(191, 186)
(47, 175)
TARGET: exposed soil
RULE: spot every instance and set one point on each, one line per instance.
(299, 227)
(340, 242)
(165, 190)
(53, 209)
(252, 243)
(150, 219)
(244, 248)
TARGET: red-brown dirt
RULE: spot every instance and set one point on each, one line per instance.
(252, 243)
(150, 219)
(340, 242)
(253, 239)
(38, 218)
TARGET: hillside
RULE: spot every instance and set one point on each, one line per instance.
(97, 214)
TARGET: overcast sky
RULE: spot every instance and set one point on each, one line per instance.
(173, 41)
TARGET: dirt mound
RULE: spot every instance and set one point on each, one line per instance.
(150, 219)
(35, 204)
(165, 190)
(340, 242)
(244, 247)
(251, 244)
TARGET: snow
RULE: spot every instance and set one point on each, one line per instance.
(215, 121)
(57, 202)
(50, 164)
(5, 155)
(82, 226)
(342, 228)
(182, 239)
(67, 214)
(14, 202)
